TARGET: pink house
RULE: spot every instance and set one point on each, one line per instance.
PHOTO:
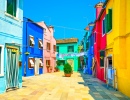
(49, 46)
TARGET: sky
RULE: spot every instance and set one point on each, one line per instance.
(69, 17)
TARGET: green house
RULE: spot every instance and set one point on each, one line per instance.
(67, 46)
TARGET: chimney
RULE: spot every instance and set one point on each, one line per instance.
(51, 28)
(98, 8)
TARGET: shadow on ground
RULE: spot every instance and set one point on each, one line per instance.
(99, 90)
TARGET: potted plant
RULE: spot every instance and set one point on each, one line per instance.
(67, 70)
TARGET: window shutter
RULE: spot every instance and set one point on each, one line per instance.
(102, 55)
(109, 19)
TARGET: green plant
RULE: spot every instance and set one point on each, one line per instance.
(67, 68)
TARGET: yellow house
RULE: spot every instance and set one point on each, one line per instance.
(118, 42)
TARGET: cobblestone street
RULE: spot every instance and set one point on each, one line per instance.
(54, 86)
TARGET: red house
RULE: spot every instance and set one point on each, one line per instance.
(100, 41)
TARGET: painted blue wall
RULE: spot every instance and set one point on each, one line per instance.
(90, 50)
(30, 28)
(10, 32)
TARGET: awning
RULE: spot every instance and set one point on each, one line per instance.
(32, 40)
(32, 63)
(41, 62)
(41, 43)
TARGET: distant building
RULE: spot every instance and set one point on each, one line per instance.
(32, 57)
(64, 46)
(49, 44)
(11, 16)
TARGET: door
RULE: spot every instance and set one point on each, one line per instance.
(12, 68)
(37, 62)
(71, 62)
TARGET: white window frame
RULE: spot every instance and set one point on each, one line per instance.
(17, 10)
(2, 60)
(102, 27)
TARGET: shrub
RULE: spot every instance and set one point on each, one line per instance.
(67, 68)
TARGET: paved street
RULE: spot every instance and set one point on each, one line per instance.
(54, 86)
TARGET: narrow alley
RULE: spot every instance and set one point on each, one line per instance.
(54, 86)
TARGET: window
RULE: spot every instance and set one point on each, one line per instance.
(47, 62)
(40, 44)
(87, 45)
(57, 48)
(12, 7)
(102, 55)
(31, 41)
(48, 46)
(31, 62)
(70, 48)
(62, 62)
(94, 37)
(41, 63)
(54, 48)
(108, 21)
(103, 27)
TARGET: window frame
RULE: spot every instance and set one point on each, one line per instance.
(40, 47)
(2, 61)
(103, 27)
(30, 36)
(49, 63)
(17, 11)
(29, 64)
(47, 46)
(57, 49)
(69, 49)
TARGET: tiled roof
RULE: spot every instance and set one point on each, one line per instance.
(69, 40)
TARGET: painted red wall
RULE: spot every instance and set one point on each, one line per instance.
(99, 45)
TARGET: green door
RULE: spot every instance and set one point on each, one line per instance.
(12, 68)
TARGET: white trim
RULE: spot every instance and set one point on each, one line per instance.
(2, 60)
(32, 63)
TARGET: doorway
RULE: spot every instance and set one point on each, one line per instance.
(36, 68)
(12, 67)
(71, 62)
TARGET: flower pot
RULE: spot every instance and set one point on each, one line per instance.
(67, 75)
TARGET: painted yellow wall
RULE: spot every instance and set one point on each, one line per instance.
(118, 39)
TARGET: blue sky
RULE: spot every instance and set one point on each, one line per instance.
(69, 17)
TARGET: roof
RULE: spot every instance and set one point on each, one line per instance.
(64, 41)
(100, 4)
(31, 21)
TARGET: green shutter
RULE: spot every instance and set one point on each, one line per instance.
(102, 55)
(109, 19)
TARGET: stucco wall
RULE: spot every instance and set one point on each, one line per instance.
(10, 32)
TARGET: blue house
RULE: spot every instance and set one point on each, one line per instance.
(90, 49)
(32, 56)
(11, 16)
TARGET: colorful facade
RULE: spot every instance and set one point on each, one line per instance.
(32, 56)
(90, 49)
(65, 46)
(99, 42)
(49, 44)
(11, 15)
(118, 42)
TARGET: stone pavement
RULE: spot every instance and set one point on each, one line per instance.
(99, 90)
(54, 86)
(50, 86)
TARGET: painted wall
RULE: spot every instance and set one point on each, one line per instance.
(63, 49)
(10, 32)
(98, 45)
(36, 31)
(49, 55)
(118, 41)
